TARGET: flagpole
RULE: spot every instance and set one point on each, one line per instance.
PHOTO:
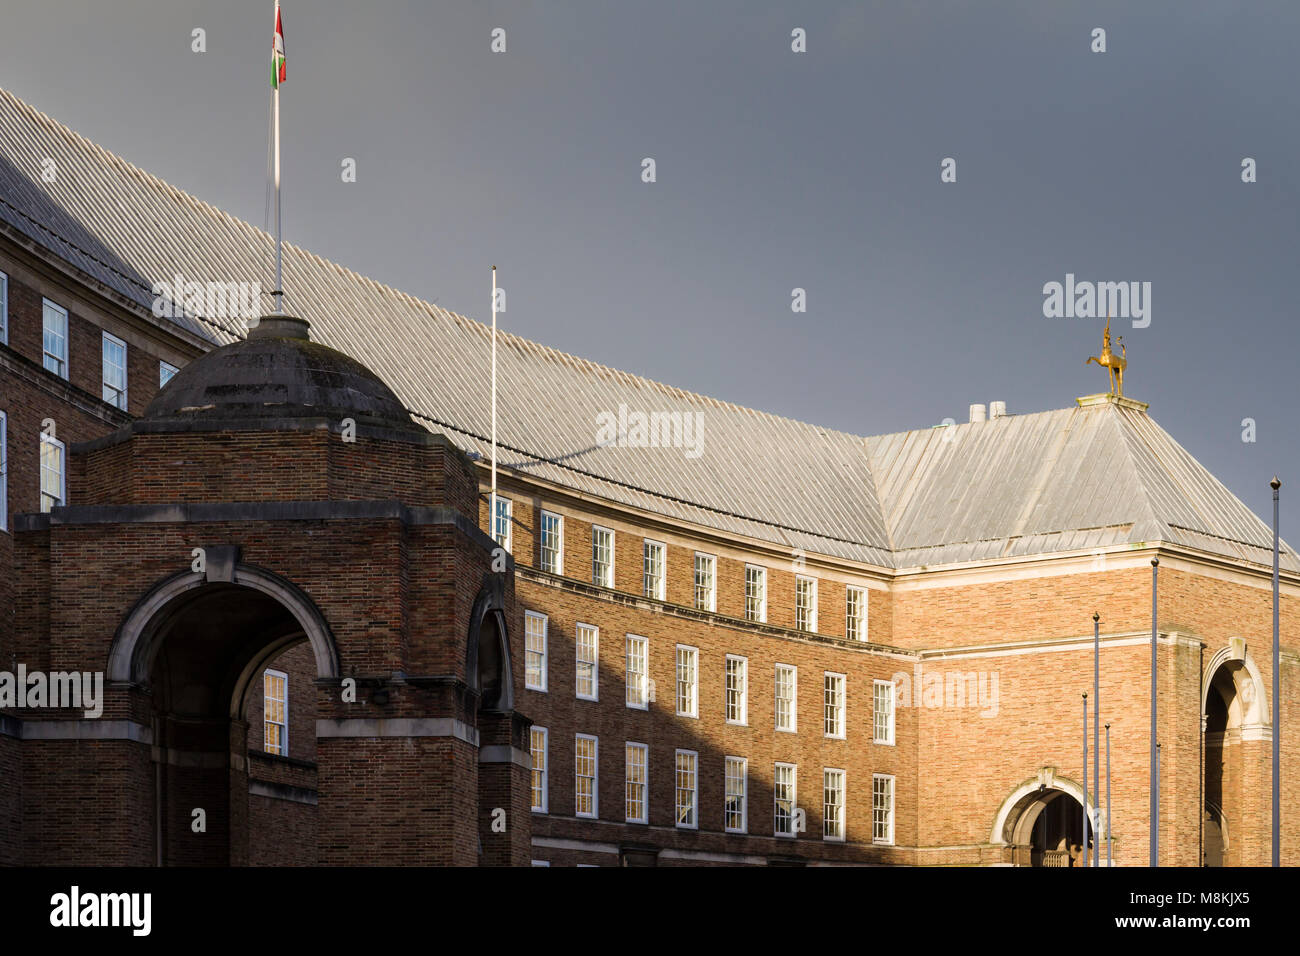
(279, 265)
(492, 522)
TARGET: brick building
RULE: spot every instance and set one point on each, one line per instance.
(685, 632)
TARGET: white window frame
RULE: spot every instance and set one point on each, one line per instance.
(594, 813)
(742, 710)
(63, 472)
(842, 825)
(887, 840)
(842, 708)
(47, 356)
(528, 683)
(543, 772)
(504, 540)
(727, 777)
(558, 564)
(643, 783)
(266, 713)
(118, 399)
(776, 800)
(794, 698)
(166, 372)
(711, 594)
(4, 309)
(889, 737)
(694, 710)
(593, 632)
(694, 791)
(861, 632)
(761, 616)
(4, 472)
(641, 699)
(596, 531)
(812, 610)
(660, 590)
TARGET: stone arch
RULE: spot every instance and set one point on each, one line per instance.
(488, 670)
(1019, 810)
(136, 643)
(1249, 711)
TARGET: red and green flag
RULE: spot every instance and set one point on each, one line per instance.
(277, 53)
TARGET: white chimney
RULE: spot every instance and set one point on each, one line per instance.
(997, 409)
(977, 413)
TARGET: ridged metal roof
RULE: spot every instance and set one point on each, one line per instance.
(1027, 484)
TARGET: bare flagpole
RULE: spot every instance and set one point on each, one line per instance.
(277, 49)
(493, 521)
(1277, 700)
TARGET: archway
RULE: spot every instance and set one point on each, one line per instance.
(200, 648)
(1235, 722)
(1042, 822)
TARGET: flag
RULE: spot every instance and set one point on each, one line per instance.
(278, 75)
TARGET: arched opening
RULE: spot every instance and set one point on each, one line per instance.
(234, 756)
(1235, 737)
(1055, 827)
(1042, 822)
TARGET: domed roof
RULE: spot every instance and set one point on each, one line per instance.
(278, 372)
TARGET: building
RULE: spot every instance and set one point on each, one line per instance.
(684, 632)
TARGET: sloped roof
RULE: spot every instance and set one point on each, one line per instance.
(1056, 481)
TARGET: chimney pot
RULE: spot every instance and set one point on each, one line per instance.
(977, 413)
(997, 409)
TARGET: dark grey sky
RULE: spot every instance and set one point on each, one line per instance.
(775, 170)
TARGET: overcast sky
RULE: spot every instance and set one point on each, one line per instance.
(775, 170)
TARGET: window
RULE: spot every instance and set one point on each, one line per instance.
(736, 690)
(638, 650)
(706, 592)
(602, 556)
(687, 789)
(4, 309)
(54, 338)
(735, 785)
(882, 809)
(165, 373)
(588, 655)
(4, 472)
(501, 515)
(855, 614)
(783, 796)
(636, 761)
(275, 712)
(755, 593)
(688, 659)
(535, 650)
(882, 711)
(114, 371)
(805, 604)
(54, 488)
(787, 697)
(584, 776)
(537, 747)
(551, 543)
(832, 804)
(653, 570)
(834, 705)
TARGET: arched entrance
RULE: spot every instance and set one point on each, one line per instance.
(1042, 822)
(200, 648)
(1235, 736)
